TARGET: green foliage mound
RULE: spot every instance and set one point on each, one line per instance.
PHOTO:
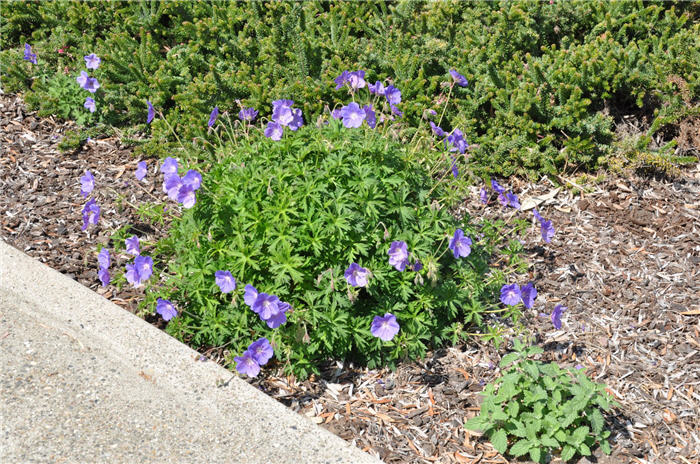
(536, 409)
(546, 79)
(289, 217)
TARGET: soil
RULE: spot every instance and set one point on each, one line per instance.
(625, 261)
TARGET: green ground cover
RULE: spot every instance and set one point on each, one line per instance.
(545, 79)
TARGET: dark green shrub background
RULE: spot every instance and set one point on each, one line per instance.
(541, 75)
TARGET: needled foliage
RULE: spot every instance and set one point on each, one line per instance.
(289, 217)
(545, 78)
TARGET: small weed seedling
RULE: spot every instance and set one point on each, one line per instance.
(539, 408)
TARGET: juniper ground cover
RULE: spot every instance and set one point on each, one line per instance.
(548, 81)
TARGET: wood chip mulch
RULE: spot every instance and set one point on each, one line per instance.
(625, 261)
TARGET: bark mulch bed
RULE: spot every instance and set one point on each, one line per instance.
(625, 260)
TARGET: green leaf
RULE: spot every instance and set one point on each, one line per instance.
(584, 449)
(499, 441)
(520, 448)
(597, 421)
(477, 423)
(531, 429)
(549, 442)
(517, 428)
(580, 434)
(513, 408)
(507, 359)
(505, 392)
(560, 435)
(535, 454)
(498, 414)
(605, 447)
(531, 370)
(567, 453)
(534, 350)
(568, 420)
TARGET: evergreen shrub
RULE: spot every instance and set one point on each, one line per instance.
(543, 76)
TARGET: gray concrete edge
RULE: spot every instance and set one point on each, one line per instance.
(84, 315)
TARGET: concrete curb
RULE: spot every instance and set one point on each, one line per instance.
(85, 381)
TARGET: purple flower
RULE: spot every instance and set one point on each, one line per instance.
(510, 294)
(437, 130)
(247, 114)
(278, 318)
(547, 230)
(151, 112)
(140, 271)
(460, 245)
(91, 213)
(297, 119)
(546, 227)
(458, 78)
(456, 139)
(82, 79)
(265, 305)
(92, 61)
(356, 275)
(141, 170)
(172, 185)
(483, 195)
(335, 114)
(132, 245)
(537, 215)
(385, 327)
(502, 199)
(87, 183)
(225, 281)
(398, 255)
(261, 351)
(193, 179)
(28, 55)
(169, 167)
(166, 309)
(352, 115)
(556, 315)
(247, 365)
(370, 116)
(512, 200)
(528, 293)
(578, 367)
(395, 110)
(341, 79)
(91, 85)
(90, 104)
(393, 95)
(212, 117)
(455, 171)
(186, 196)
(104, 276)
(377, 88)
(268, 307)
(274, 131)
(497, 187)
(417, 266)
(282, 112)
(356, 79)
(103, 258)
(250, 295)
